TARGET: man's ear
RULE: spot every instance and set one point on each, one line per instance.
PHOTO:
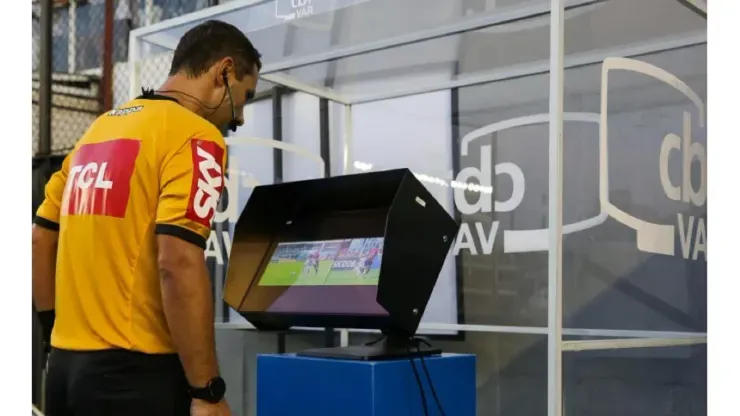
(225, 65)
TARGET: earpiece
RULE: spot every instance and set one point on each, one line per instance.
(233, 123)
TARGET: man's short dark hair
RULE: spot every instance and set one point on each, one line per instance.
(209, 42)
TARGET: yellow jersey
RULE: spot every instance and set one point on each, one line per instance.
(149, 167)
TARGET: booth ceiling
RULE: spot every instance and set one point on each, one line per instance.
(372, 49)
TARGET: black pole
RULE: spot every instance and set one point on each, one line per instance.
(456, 162)
(220, 228)
(44, 150)
(324, 135)
(329, 338)
(45, 71)
(277, 166)
(277, 133)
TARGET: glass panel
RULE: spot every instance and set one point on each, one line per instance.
(249, 166)
(266, 14)
(301, 128)
(636, 382)
(433, 61)
(520, 40)
(616, 23)
(511, 371)
(293, 28)
(643, 265)
(237, 352)
(501, 143)
(412, 132)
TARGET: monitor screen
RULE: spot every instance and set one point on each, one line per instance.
(324, 277)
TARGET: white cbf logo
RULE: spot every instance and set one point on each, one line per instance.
(514, 241)
(89, 175)
(695, 230)
(484, 200)
(660, 238)
(207, 195)
(302, 8)
(297, 10)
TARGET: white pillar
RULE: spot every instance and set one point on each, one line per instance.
(555, 208)
(348, 162)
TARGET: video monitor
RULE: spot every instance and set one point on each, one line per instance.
(354, 251)
(338, 276)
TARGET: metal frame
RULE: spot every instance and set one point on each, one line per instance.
(555, 66)
(591, 345)
(555, 216)
(697, 6)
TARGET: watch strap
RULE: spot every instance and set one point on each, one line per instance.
(213, 392)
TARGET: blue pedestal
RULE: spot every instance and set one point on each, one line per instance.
(288, 385)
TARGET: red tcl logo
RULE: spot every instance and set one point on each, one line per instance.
(99, 178)
(89, 175)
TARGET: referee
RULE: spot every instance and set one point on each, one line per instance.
(119, 270)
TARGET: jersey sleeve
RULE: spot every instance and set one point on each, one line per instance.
(191, 183)
(49, 212)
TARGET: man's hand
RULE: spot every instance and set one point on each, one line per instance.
(203, 408)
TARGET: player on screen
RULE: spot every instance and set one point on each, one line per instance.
(316, 258)
(119, 274)
(312, 262)
(364, 263)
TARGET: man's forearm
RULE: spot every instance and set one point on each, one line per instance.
(188, 306)
(43, 275)
(43, 267)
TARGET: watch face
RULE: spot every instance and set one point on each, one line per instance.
(217, 388)
(213, 392)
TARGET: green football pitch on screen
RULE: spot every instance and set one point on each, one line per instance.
(294, 273)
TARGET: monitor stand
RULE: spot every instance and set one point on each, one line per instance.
(390, 347)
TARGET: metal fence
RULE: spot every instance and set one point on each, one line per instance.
(85, 71)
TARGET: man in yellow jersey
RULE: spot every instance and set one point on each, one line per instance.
(118, 244)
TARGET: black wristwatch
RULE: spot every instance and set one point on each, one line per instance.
(213, 392)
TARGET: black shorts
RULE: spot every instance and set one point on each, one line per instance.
(115, 383)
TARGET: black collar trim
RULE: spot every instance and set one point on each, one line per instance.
(149, 94)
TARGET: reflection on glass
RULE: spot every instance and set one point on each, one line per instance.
(248, 166)
(654, 143)
(636, 382)
(413, 132)
(511, 371)
(503, 144)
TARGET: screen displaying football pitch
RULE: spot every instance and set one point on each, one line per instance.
(329, 263)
